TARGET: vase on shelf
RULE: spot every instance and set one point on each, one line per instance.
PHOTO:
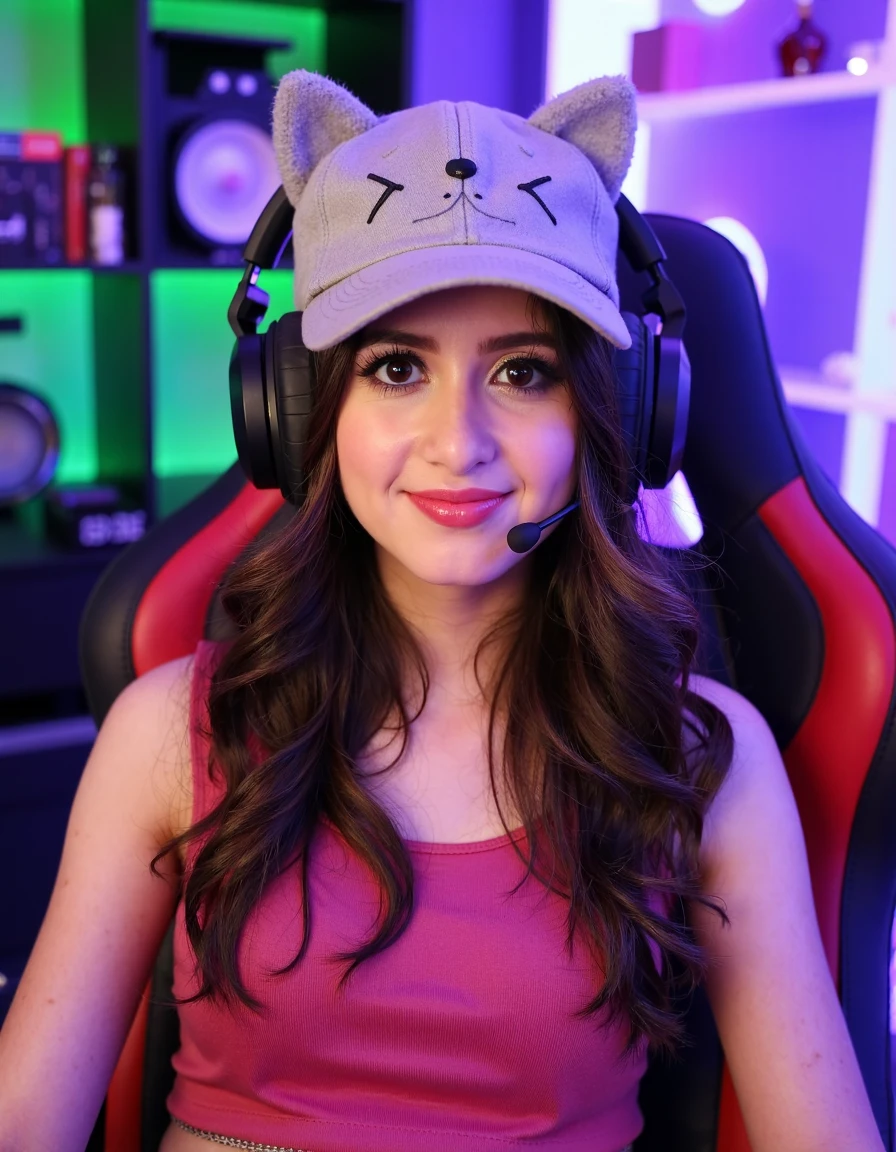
(802, 50)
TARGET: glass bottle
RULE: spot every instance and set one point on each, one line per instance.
(105, 208)
(803, 49)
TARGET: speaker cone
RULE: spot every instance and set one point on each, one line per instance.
(29, 444)
(225, 171)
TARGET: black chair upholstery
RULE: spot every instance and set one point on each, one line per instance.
(799, 601)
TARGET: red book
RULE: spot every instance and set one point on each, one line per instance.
(77, 172)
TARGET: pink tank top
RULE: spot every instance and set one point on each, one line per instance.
(458, 1036)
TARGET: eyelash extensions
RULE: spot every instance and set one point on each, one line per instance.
(370, 364)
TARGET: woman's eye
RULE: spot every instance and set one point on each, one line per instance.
(399, 370)
(518, 374)
(526, 375)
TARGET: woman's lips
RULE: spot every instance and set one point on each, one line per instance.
(458, 509)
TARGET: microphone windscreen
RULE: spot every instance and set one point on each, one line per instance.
(522, 537)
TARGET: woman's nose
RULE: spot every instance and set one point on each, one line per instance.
(457, 430)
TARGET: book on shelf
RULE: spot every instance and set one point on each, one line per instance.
(77, 175)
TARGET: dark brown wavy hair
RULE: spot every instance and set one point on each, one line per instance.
(604, 743)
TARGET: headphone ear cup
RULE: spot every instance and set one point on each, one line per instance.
(672, 403)
(654, 390)
(290, 375)
(249, 408)
(635, 372)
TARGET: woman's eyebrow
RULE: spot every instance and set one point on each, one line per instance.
(428, 344)
(516, 340)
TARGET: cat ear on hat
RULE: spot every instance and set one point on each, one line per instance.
(600, 117)
(312, 116)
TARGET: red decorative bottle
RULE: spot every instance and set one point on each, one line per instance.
(803, 49)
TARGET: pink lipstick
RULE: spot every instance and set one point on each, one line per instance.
(458, 508)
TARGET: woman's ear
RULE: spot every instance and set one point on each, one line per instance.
(600, 117)
(312, 115)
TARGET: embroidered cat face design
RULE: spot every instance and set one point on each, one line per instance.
(462, 169)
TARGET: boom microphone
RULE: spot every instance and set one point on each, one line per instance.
(522, 537)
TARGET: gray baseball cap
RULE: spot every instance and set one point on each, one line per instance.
(450, 194)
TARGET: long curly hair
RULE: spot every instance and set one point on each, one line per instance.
(604, 745)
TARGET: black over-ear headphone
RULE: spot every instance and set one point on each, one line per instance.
(272, 379)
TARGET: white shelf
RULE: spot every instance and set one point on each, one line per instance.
(660, 107)
(806, 390)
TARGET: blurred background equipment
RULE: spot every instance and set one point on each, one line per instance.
(29, 444)
(213, 151)
(29, 438)
(93, 515)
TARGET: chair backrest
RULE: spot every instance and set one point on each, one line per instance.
(801, 602)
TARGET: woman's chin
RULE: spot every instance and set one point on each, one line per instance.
(452, 566)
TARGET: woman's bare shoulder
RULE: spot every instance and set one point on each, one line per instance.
(152, 714)
(736, 707)
(158, 703)
(749, 727)
(755, 781)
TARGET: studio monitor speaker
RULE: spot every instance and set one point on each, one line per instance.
(211, 164)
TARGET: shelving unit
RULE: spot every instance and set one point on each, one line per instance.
(725, 99)
(133, 358)
(869, 406)
(808, 390)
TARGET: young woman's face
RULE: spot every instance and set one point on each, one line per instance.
(456, 425)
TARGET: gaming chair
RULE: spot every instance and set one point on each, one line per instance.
(800, 604)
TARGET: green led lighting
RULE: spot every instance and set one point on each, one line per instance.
(305, 28)
(42, 68)
(192, 342)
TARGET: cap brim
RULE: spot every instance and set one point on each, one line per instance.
(354, 302)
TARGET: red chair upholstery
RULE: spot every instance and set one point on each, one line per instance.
(801, 606)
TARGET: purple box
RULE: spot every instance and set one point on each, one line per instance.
(30, 199)
(666, 59)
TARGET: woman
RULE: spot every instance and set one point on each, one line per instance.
(447, 827)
